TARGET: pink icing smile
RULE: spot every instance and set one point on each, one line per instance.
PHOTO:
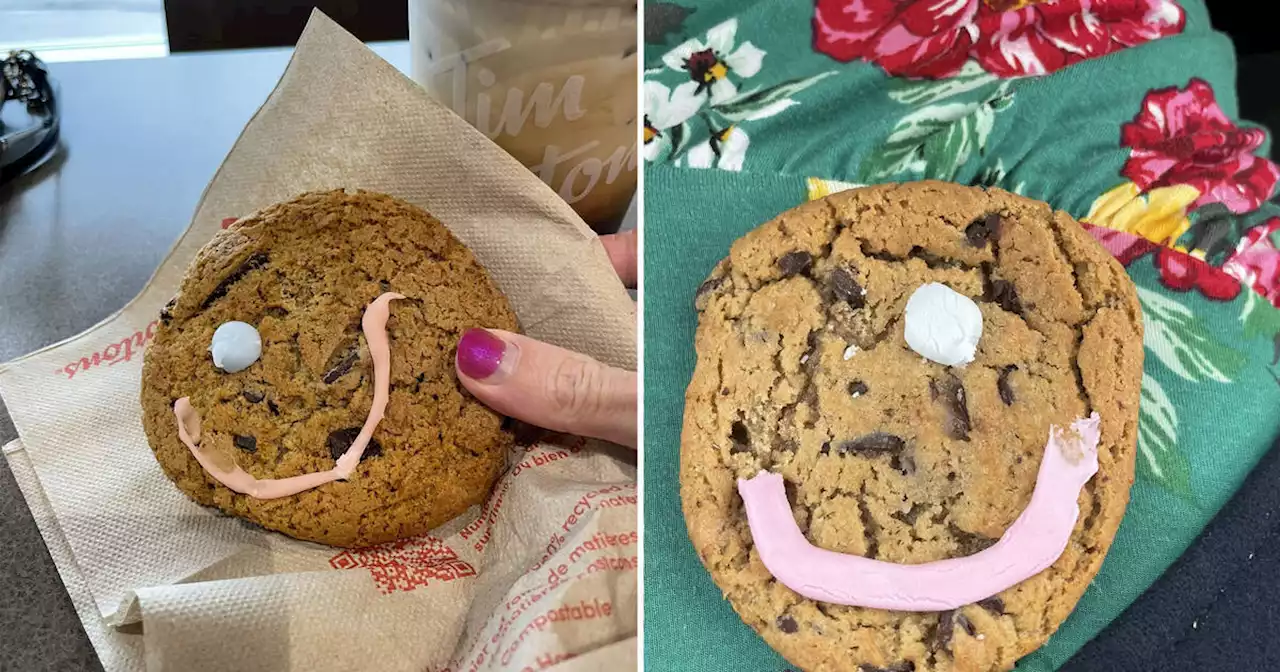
(238, 480)
(1030, 545)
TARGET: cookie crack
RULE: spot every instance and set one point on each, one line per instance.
(1066, 256)
(870, 527)
(933, 261)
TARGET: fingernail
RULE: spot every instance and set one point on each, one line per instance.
(481, 356)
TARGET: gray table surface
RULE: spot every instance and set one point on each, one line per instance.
(80, 237)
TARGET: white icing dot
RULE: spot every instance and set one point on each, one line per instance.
(943, 325)
(849, 352)
(981, 637)
(235, 346)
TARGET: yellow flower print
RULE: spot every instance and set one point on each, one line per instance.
(821, 188)
(1159, 215)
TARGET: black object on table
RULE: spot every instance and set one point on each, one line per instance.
(25, 84)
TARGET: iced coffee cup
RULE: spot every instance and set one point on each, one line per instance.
(554, 84)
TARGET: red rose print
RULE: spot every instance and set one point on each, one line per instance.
(1045, 37)
(928, 38)
(1038, 39)
(1256, 261)
(406, 564)
(1125, 247)
(1182, 137)
(1181, 272)
(934, 38)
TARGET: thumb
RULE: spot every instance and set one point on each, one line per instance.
(547, 386)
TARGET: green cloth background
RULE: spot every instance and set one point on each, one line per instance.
(1059, 142)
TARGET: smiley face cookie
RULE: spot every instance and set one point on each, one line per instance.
(884, 378)
(303, 377)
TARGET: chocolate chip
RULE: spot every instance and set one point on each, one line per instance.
(826, 448)
(740, 436)
(255, 261)
(947, 621)
(969, 543)
(942, 635)
(846, 288)
(246, 443)
(949, 391)
(1002, 384)
(341, 439)
(981, 231)
(795, 263)
(252, 396)
(788, 624)
(905, 464)
(339, 366)
(992, 604)
(166, 313)
(875, 443)
(857, 388)
(703, 294)
(271, 405)
(1005, 294)
(911, 514)
(964, 622)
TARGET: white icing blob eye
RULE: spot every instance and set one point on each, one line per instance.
(235, 346)
(943, 325)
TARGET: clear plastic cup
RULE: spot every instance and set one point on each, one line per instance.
(554, 84)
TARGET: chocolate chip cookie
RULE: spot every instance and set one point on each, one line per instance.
(803, 370)
(302, 274)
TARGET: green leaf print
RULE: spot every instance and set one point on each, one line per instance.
(677, 135)
(1181, 341)
(761, 103)
(1258, 317)
(936, 140)
(947, 150)
(1158, 455)
(925, 91)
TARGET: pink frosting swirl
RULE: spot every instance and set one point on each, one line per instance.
(1031, 544)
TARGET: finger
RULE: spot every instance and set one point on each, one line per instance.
(621, 248)
(548, 386)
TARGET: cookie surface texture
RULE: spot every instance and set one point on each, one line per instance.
(302, 273)
(803, 370)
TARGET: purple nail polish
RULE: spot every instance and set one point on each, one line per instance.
(479, 353)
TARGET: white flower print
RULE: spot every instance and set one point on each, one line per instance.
(665, 109)
(725, 150)
(709, 65)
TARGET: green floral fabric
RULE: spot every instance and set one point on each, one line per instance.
(752, 108)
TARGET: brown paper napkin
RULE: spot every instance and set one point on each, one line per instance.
(544, 572)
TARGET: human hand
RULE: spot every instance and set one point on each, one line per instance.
(552, 387)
